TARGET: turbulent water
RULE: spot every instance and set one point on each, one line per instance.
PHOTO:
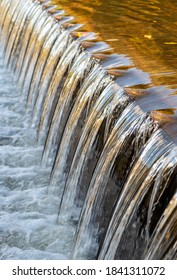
(85, 174)
(28, 228)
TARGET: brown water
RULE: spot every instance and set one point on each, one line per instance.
(144, 34)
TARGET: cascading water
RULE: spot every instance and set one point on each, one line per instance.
(85, 173)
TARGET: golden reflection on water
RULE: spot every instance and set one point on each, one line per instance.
(144, 31)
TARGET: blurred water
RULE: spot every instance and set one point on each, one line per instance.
(28, 210)
(71, 132)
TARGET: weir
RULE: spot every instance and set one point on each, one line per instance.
(85, 172)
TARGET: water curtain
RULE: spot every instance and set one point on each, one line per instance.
(114, 169)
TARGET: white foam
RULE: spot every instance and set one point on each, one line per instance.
(28, 209)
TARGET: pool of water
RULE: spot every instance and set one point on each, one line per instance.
(144, 32)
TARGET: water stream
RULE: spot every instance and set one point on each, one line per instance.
(85, 172)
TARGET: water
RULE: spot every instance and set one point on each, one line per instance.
(145, 31)
(85, 172)
(143, 34)
(32, 232)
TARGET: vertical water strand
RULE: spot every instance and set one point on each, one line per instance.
(89, 92)
(164, 240)
(21, 11)
(17, 29)
(43, 41)
(115, 160)
(89, 149)
(41, 64)
(68, 94)
(30, 26)
(4, 7)
(163, 191)
(151, 162)
(49, 26)
(7, 23)
(16, 45)
(53, 74)
(43, 61)
(39, 27)
(136, 219)
(25, 15)
(40, 19)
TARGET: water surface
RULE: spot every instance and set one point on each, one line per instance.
(144, 33)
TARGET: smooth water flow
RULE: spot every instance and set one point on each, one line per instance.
(85, 173)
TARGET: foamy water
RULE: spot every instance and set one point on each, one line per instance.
(29, 206)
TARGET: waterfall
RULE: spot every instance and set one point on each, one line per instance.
(85, 172)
